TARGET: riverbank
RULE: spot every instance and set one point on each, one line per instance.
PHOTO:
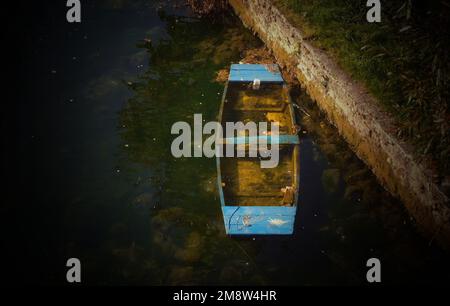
(370, 130)
(403, 61)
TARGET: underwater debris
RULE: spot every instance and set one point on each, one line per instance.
(222, 76)
(260, 55)
(208, 7)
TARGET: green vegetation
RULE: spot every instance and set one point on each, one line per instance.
(404, 60)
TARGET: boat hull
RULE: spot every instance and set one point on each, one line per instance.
(251, 198)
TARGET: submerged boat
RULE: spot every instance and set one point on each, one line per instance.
(256, 200)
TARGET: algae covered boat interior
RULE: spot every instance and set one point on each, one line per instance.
(244, 182)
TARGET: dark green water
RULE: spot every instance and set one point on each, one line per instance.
(95, 114)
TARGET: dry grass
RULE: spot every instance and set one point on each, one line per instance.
(208, 7)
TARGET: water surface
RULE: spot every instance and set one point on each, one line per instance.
(94, 132)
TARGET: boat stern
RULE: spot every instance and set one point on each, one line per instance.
(259, 220)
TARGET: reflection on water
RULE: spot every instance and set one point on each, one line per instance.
(135, 215)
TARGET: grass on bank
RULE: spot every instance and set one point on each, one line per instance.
(404, 60)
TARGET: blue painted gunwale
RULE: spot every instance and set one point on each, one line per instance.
(259, 220)
(249, 72)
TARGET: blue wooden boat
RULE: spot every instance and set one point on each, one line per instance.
(254, 200)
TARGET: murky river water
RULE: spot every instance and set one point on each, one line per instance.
(94, 132)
